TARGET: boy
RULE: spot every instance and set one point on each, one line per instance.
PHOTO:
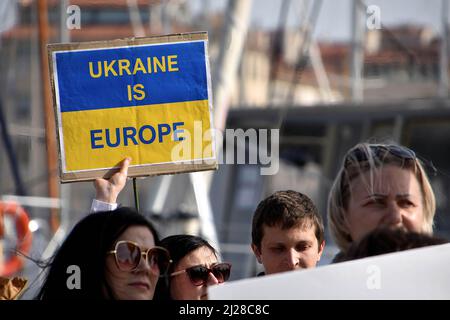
(287, 232)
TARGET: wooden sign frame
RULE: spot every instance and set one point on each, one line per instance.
(189, 164)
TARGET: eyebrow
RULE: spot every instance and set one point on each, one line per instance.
(304, 242)
(406, 195)
(206, 265)
(275, 244)
(197, 265)
(296, 243)
(379, 195)
(374, 195)
(403, 195)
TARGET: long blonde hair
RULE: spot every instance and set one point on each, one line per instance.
(361, 159)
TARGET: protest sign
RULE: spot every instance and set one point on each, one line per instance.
(146, 98)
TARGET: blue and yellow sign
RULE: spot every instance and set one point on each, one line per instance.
(146, 98)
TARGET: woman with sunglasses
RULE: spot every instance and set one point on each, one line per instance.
(379, 185)
(108, 255)
(194, 268)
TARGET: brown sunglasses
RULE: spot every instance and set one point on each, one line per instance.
(128, 255)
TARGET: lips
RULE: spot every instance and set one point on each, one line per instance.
(140, 285)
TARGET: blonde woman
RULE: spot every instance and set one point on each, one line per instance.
(379, 185)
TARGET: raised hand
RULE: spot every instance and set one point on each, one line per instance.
(107, 190)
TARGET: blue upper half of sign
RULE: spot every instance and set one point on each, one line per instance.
(154, 74)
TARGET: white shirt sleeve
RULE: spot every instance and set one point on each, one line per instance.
(98, 206)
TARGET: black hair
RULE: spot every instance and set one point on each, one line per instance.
(178, 246)
(86, 247)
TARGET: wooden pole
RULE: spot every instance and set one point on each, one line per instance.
(50, 129)
(136, 195)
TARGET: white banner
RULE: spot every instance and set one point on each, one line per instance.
(422, 273)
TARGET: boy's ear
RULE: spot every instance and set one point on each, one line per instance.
(321, 247)
(257, 252)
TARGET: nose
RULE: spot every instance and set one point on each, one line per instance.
(292, 259)
(212, 280)
(143, 263)
(394, 215)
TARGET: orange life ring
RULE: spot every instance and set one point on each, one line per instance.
(24, 236)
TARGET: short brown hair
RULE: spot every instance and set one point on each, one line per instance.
(286, 209)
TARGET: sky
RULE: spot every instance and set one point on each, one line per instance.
(334, 23)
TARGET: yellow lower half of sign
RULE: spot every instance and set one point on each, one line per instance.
(153, 134)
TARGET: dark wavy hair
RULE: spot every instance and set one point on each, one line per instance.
(178, 246)
(86, 247)
(387, 240)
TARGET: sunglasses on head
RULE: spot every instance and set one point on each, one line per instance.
(128, 255)
(379, 151)
(199, 274)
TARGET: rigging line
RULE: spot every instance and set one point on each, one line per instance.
(410, 53)
(307, 30)
(12, 158)
(277, 46)
(35, 181)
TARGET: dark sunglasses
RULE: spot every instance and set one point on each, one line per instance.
(379, 151)
(128, 255)
(199, 274)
